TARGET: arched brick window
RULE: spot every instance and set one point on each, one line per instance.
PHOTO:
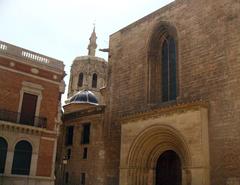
(80, 80)
(22, 158)
(163, 64)
(3, 154)
(94, 80)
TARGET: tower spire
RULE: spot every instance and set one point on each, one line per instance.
(92, 43)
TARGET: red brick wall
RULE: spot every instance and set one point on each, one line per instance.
(11, 84)
(45, 158)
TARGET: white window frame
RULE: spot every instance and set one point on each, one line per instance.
(34, 89)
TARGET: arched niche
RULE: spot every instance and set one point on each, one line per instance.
(163, 63)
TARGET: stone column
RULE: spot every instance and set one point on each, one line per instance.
(9, 162)
(151, 177)
(33, 167)
(186, 177)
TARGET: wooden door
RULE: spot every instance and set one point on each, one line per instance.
(168, 170)
(28, 109)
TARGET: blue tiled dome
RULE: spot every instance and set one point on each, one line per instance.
(84, 96)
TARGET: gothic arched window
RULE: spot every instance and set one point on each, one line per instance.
(80, 80)
(94, 80)
(3, 154)
(162, 56)
(169, 77)
(22, 158)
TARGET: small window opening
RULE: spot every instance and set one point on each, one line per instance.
(69, 152)
(94, 80)
(83, 179)
(69, 135)
(86, 134)
(85, 153)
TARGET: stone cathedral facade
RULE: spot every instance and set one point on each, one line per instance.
(170, 109)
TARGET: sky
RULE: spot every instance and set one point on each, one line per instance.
(61, 28)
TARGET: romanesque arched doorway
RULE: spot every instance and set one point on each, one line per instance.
(155, 149)
(168, 169)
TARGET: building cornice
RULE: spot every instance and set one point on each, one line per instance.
(84, 113)
(31, 57)
(29, 177)
(30, 75)
(176, 108)
(5, 125)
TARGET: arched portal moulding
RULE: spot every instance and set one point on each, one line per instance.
(146, 149)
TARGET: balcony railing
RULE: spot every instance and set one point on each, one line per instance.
(17, 117)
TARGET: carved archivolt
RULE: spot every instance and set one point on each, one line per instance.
(148, 146)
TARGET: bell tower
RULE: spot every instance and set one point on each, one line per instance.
(88, 72)
(92, 43)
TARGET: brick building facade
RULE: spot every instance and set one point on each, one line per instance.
(30, 101)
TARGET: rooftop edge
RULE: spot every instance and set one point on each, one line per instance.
(30, 57)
